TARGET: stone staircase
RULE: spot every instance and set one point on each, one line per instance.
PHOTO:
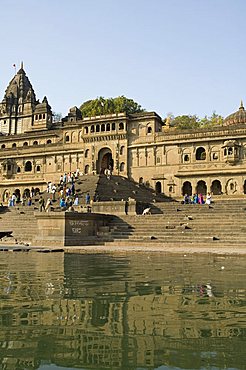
(117, 188)
(221, 224)
(21, 221)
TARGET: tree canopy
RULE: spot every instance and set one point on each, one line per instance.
(193, 122)
(102, 105)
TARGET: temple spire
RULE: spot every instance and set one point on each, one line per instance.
(241, 105)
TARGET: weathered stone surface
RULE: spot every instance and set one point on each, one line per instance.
(69, 228)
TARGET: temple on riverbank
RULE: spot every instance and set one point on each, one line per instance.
(36, 150)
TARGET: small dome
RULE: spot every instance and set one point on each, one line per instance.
(236, 118)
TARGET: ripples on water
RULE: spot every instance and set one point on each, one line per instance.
(146, 311)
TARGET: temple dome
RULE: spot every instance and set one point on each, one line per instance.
(236, 118)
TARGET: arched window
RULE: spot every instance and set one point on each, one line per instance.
(122, 149)
(35, 142)
(44, 116)
(200, 154)
(40, 116)
(86, 153)
(97, 128)
(149, 130)
(87, 169)
(3, 146)
(103, 127)
(215, 156)
(113, 126)
(186, 158)
(67, 138)
(92, 128)
(25, 143)
(28, 166)
(122, 167)
(14, 145)
(121, 126)
(49, 141)
(108, 127)
(86, 130)
(38, 169)
(230, 150)
(18, 169)
(36, 117)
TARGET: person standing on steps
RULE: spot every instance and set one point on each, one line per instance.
(53, 191)
(87, 199)
(48, 205)
(41, 204)
(126, 207)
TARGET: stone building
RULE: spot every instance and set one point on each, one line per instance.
(35, 150)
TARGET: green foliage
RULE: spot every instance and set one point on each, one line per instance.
(211, 121)
(185, 122)
(101, 105)
(193, 122)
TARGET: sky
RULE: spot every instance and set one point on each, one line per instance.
(171, 56)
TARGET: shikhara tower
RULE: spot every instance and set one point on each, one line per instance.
(20, 111)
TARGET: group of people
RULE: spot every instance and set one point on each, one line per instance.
(197, 199)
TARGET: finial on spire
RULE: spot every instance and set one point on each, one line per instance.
(241, 105)
(22, 65)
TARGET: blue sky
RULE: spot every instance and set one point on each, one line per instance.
(171, 56)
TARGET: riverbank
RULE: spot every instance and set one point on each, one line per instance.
(124, 250)
(182, 249)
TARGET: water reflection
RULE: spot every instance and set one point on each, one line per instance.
(143, 311)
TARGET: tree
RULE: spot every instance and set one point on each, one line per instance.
(102, 105)
(211, 121)
(185, 122)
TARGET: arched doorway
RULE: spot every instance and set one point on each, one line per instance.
(201, 187)
(216, 187)
(187, 188)
(105, 160)
(6, 195)
(26, 193)
(87, 169)
(244, 187)
(158, 187)
(37, 191)
(18, 194)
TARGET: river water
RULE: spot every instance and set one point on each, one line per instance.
(145, 311)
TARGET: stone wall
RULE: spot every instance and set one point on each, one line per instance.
(59, 229)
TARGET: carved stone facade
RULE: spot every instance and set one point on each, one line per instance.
(34, 150)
